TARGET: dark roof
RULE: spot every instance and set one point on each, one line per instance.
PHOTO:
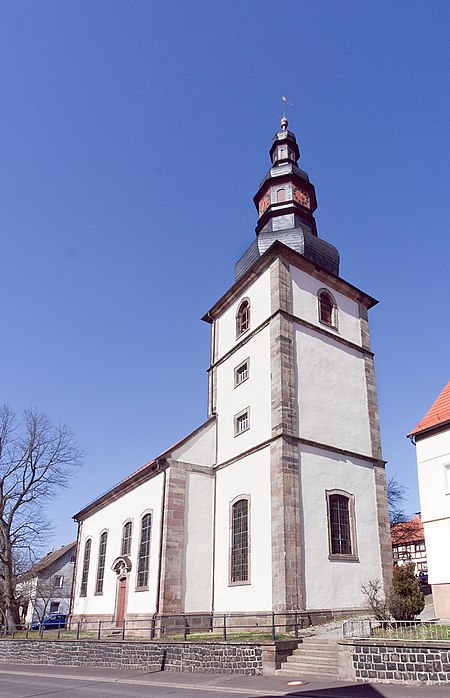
(50, 558)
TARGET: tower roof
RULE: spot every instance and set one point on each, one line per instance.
(438, 414)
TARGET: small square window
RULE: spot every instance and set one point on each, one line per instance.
(72, 558)
(58, 581)
(242, 422)
(54, 606)
(241, 372)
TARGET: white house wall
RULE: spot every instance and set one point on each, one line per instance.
(197, 588)
(433, 455)
(249, 477)
(336, 583)
(305, 305)
(332, 392)
(132, 505)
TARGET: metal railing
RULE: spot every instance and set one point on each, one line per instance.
(213, 627)
(396, 630)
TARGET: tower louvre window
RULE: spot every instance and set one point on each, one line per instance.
(144, 552)
(243, 318)
(327, 308)
(101, 563)
(239, 542)
(85, 573)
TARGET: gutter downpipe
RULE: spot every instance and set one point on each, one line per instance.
(162, 466)
(214, 528)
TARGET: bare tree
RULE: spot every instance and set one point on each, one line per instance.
(36, 459)
(396, 494)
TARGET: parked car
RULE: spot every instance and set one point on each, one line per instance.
(54, 620)
(423, 577)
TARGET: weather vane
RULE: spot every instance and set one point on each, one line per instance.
(286, 104)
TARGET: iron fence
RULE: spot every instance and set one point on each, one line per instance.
(212, 627)
(396, 630)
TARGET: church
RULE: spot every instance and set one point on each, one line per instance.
(278, 501)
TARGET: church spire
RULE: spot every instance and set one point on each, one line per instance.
(286, 197)
(285, 202)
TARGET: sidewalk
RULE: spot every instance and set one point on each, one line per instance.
(256, 686)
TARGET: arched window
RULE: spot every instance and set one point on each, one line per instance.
(85, 572)
(327, 309)
(243, 318)
(101, 563)
(341, 524)
(126, 538)
(281, 195)
(239, 542)
(144, 552)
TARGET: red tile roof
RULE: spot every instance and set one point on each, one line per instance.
(408, 531)
(438, 413)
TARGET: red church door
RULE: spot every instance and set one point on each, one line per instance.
(121, 601)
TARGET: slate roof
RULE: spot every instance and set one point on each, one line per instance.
(439, 413)
(52, 557)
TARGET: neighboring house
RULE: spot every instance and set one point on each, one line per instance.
(47, 587)
(432, 439)
(408, 543)
(278, 501)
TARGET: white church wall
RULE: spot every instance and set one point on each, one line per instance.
(433, 461)
(200, 448)
(335, 583)
(305, 305)
(251, 477)
(132, 505)
(197, 586)
(253, 393)
(258, 293)
(331, 392)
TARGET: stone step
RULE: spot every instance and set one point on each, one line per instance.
(308, 673)
(312, 659)
(319, 640)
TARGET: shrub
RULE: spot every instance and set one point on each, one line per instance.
(377, 602)
(406, 600)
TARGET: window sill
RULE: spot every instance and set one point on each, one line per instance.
(98, 593)
(138, 589)
(238, 433)
(329, 327)
(343, 558)
(239, 584)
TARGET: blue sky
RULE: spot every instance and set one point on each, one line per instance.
(134, 136)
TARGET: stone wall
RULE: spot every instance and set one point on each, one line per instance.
(395, 661)
(211, 657)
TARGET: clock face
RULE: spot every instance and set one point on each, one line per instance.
(264, 203)
(301, 197)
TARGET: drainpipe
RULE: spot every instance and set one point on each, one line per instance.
(162, 466)
(213, 561)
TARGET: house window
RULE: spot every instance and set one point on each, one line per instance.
(447, 478)
(241, 372)
(54, 606)
(239, 542)
(327, 308)
(101, 563)
(85, 573)
(144, 552)
(72, 558)
(419, 546)
(243, 318)
(242, 421)
(341, 524)
(281, 195)
(126, 538)
(58, 581)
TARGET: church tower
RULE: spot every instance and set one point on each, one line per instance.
(300, 516)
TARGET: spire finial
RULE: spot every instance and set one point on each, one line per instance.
(284, 121)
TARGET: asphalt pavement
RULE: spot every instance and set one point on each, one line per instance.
(30, 681)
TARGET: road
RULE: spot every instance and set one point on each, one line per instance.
(77, 682)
